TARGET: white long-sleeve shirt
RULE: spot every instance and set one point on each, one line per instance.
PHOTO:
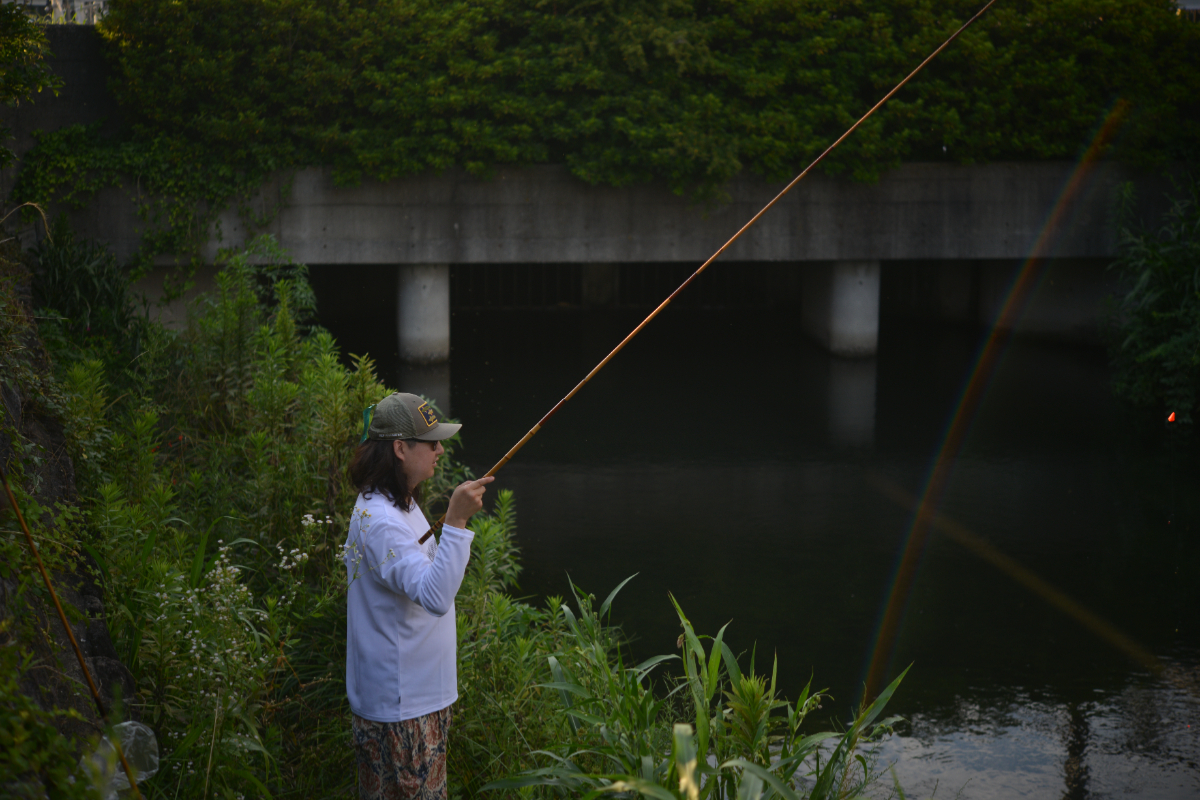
(400, 629)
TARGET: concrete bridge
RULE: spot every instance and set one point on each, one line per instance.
(967, 226)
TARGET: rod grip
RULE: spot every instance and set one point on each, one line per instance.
(499, 464)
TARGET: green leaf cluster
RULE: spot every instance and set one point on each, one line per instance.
(23, 70)
(686, 91)
(82, 281)
(1156, 324)
(35, 759)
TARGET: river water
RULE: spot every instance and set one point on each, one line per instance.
(727, 460)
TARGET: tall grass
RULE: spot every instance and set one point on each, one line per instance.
(82, 281)
(742, 740)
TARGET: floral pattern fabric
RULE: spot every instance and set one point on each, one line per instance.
(403, 760)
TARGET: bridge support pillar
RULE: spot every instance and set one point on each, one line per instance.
(840, 305)
(427, 380)
(423, 313)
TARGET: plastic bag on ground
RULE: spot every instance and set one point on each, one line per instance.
(140, 747)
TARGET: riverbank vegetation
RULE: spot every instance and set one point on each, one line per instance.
(1156, 322)
(213, 500)
(217, 95)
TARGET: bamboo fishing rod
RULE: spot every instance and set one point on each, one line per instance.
(549, 414)
(87, 673)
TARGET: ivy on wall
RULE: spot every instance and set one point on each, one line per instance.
(219, 93)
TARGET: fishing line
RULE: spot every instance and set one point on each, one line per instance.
(549, 414)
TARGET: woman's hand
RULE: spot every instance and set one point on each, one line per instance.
(466, 501)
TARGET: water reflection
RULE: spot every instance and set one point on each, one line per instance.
(852, 401)
(1075, 768)
(723, 456)
(1028, 747)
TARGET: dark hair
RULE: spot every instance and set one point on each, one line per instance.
(375, 468)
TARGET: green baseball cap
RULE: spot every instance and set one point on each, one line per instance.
(406, 416)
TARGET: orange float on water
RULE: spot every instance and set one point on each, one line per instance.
(1172, 417)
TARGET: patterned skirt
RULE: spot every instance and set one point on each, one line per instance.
(402, 760)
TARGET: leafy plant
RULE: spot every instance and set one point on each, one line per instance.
(82, 281)
(1156, 327)
(507, 714)
(212, 476)
(622, 744)
(35, 759)
(23, 69)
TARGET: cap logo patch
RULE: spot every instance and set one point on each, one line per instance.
(427, 414)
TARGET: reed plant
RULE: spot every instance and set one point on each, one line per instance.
(741, 740)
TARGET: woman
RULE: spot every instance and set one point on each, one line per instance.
(400, 635)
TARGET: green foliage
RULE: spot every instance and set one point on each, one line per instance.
(624, 741)
(83, 282)
(186, 186)
(35, 759)
(23, 370)
(1156, 329)
(689, 93)
(16, 323)
(494, 567)
(204, 464)
(503, 715)
(214, 502)
(23, 71)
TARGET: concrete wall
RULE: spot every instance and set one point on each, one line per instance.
(542, 214)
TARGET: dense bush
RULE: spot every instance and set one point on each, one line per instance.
(83, 282)
(1156, 330)
(687, 92)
